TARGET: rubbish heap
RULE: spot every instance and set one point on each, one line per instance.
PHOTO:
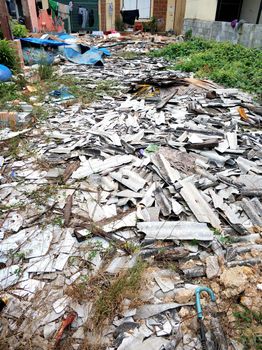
(167, 172)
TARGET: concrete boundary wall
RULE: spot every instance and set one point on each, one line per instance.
(249, 35)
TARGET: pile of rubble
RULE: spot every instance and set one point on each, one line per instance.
(167, 172)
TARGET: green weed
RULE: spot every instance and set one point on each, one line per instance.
(249, 324)
(119, 24)
(8, 56)
(225, 240)
(18, 30)
(130, 248)
(128, 55)
(40, 113)
(45, 71)
(42, 195)
(8, 92)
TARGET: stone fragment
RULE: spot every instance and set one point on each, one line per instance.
(183, 295)
(212, 267)
(236, 277)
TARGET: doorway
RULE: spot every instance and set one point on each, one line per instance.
(91, 6)
(228, 10)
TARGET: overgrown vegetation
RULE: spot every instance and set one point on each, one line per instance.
(45, 71)
(8, 56)
(18, 30)
(249, 324)
(126, 285)
(8, 92)
(128, 55)
(225, 63)
(119, 24)
(151, 26)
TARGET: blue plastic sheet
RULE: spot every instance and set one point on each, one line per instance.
(65, 36)
(5, 73)
(94, 56)
(35, 55)
(38, 41)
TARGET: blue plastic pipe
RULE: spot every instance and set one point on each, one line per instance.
(198, 303)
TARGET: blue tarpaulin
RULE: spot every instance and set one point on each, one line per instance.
(35, 55)
(42, 42)
(71, 52)
(94, 56)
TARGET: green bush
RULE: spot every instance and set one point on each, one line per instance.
(8, 55)
(18, 30)
(223, 62)
(119, 24)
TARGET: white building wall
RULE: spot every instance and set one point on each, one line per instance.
(201, 9)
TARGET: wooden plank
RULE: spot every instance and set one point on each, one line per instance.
(4, 21)
(180, 10)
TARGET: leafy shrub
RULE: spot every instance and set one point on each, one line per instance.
(18, 30)
(119, 24)
(225, 63)
(8, 92)
(8, 55)
(188, 34)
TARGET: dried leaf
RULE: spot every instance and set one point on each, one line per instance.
(70, 169)
(242, 113)
(67, 209)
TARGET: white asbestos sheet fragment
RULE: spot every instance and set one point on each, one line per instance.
(113, 137)
(33, 242)
(60, 262)
(67, 242)
(38, 244)
(181, 230)
(176, 207)
(165, 283)
(150, 310)
(121, 263)
(99, 212)
(232, 140)
(246, 165)
(40, 265)
(29, 287)
(129, 194)
(129, 179)
(9, 276)
(165, 168)
(126, 221)
(13, 222)
(219, 203)
(149, 197)
(60, 304)
(200, 208)
(94, 166)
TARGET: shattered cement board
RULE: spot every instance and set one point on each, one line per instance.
(198, 205)
(182, 230)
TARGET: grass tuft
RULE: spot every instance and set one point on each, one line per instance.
(126, 285)
(249, 324)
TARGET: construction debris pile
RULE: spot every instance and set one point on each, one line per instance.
(167, 172)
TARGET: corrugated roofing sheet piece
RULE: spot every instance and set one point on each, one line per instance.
(198, 205)
(94, 166)
(129, 179)
(182, 230)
